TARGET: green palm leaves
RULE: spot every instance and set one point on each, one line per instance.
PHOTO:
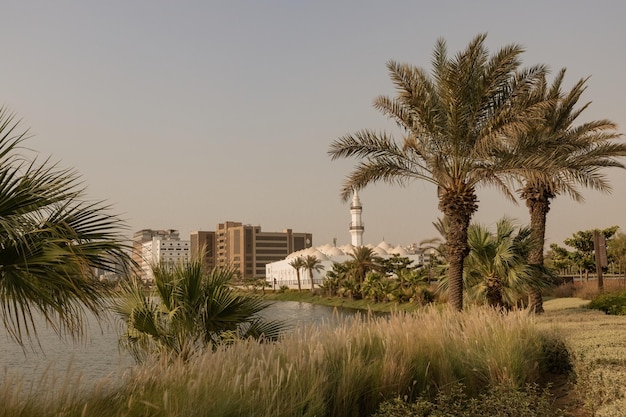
(455, 120)
(297, 264)
(496, 269)
(580, 153)
(188, 311)
(51, 240)
(312, 263)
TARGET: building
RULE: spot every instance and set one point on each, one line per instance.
(356, 225)
(281, 273)
(246, 248)
(152, 247)
(204, 242)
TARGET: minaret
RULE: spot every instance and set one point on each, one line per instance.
(356, 225)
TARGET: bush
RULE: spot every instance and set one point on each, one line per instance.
(530, 401)
(565, 290)
(610, 303)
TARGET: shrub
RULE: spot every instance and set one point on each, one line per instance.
(565, 290)
(529, 401)
(610, 303)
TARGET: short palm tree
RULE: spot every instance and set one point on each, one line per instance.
(297, 264)
(580, 150)
(51, 242)
(496, 269)
(189, 310)
(454, 121)
(363, 260)
(312, 263)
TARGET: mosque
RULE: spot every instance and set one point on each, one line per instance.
(280, 273)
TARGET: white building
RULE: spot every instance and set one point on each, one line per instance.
(162, 250)
(282, 274)
(356, 225)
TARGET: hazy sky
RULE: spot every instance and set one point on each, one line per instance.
(184, 114)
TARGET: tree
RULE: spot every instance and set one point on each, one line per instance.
(363, 261)
(334, 278)
(311, 263)
(297, 264)
(617, 250)
(455, 122)
(558, 258)
(189, 310)
(579, 150)
(583, 255)
(496, 269)
(51, 241)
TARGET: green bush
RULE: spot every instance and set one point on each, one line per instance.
(502, 401)
(610, 303)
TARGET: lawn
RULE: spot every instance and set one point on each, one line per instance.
(598, 344)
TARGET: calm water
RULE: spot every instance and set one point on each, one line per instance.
(98, 356)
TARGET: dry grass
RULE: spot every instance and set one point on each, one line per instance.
(587, 290)
(345, 370)
(598, 344)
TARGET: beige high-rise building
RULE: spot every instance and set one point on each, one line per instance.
(207, 242)
(246, 248)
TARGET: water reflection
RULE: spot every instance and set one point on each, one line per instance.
(98, 355)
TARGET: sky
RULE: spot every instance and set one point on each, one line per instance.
(186, 114)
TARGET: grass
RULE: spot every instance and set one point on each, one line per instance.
(347, 370)
(598, 344)
(341, 302)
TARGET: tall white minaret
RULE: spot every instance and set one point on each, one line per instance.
(356, 225)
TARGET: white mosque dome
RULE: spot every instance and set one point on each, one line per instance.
(385, 246)
(347, 248)
(319, 255)
(294, 254)
(308, 251)
(334, 251)
(379, 251)
(325, 247)
(398, 250)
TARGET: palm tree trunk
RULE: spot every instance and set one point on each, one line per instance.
(538, 207)
(494, 292)
(299, 285)
(457, 249)
(311, 276)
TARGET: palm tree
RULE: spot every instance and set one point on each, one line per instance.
(51, 241)
(454, 122)
(581, 152)
(363, 261)
(190, 310)
(311, 263)
(496, 269)
(297, 264)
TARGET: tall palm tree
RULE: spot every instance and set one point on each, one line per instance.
(312, 263)
(454, 121)
(297, 264)
(580, 150)
(190, 310)
(51, 241)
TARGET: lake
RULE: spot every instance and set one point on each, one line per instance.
(98, 355)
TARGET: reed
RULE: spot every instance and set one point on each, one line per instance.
(340, 370)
